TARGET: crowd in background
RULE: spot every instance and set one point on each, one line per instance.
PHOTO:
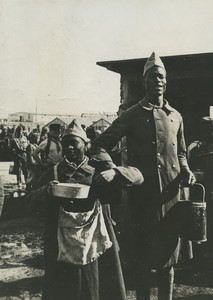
(35, 151)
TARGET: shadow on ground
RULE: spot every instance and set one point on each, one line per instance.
(19, 287)
(35, 262)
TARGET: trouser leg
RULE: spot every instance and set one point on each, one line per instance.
(165, 283)
(111, 281)
(24, 169)
(18, 176)
(143, 283)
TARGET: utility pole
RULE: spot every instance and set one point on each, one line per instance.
(36, 109)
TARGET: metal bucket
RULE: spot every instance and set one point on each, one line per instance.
(196, 217)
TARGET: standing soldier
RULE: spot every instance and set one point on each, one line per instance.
(80, 248)
(19, 146)
(156, 146)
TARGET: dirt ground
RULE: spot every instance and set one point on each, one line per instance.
(21, 264)
(21, 258)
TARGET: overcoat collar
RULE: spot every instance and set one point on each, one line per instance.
(68, 169)
(148, 106)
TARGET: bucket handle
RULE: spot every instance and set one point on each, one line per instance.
(202, 187)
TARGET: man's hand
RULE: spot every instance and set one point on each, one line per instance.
(188, 177)
(105, 177)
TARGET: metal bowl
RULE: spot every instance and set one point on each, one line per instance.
(70, 190)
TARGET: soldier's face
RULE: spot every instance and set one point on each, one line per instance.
(54, 134)
(155, 82)
(73, 148)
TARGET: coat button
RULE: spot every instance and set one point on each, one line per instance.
(173, 166)
(153, 142)
(158, 154)
(159, 166)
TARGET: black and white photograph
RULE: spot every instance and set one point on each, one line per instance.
(106, 150)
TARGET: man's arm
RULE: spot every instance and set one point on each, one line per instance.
(187, 175)
(182, 151)
(38, 151)
(110, 137)
(29, 151)
(122, 176)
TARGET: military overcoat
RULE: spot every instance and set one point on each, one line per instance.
(156, 146)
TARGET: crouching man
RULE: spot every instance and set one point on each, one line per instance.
(80, 247)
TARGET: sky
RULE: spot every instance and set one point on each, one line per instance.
(49, 48)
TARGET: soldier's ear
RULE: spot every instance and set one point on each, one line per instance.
(86, 146)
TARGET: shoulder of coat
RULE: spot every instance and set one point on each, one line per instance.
(176, 113)
(131, 112)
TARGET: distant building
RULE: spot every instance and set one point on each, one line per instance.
(102, 124)
(21, 117)
(87, 120)
(43, 119)
(25, 118)
(32, 120)
(62, 123)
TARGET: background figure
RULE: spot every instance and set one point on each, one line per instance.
(1, 195)
(49, 151)
(5, 144)
(200, 155)
(19, 145)
(34, 130)
(33, 170)
(13, 130)
(44, 134)
(90, 131)
(156, 146)
(91, 134)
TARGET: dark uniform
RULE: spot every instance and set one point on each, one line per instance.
(156, 146)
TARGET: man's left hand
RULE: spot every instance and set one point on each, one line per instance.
(188, 177)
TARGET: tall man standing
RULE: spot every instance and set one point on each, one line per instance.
(156, 146)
